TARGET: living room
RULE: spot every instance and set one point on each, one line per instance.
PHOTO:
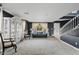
(39, 29)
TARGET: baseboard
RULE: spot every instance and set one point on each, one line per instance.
(69, 45)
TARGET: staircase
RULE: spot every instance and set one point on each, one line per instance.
(69, 33)
(70, 26)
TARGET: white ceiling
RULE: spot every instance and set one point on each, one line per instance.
(40, 12)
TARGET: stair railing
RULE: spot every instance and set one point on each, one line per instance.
(71, 25)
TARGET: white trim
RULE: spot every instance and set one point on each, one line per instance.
(68, 22)
(70, 30)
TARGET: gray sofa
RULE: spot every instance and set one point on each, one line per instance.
(39, 34)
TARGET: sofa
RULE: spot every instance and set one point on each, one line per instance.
(35, 33)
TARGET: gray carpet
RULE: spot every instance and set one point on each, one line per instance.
(42, 46)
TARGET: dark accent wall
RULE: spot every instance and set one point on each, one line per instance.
(0, 5)
(74, 32)
(6, 14)
(28, 27)
(72, 38)
(67, 17)
(50, 28)
(62, 23)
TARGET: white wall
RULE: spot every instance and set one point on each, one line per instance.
(0, 19)
(6, 26)
(19, 29)
(0, 26)
(23, 29)
(57, 30)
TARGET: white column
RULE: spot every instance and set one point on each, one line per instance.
(57, 30)
(1, 26)
(1, 19)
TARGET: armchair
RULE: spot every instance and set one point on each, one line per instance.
(7, 43)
